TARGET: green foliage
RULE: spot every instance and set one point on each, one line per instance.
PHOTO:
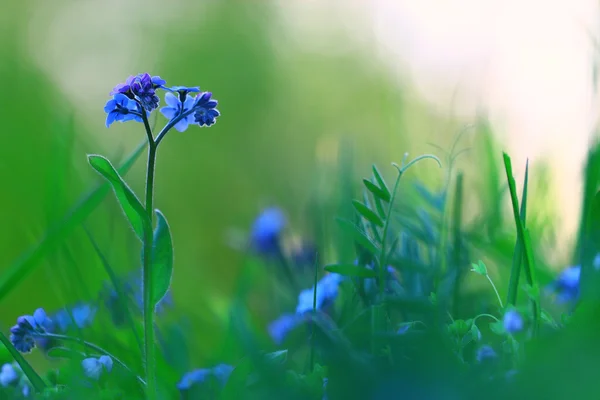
(162, 258)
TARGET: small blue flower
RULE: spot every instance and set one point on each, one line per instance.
(82, 316)
(94, 367)
(22, 334)
(220, 372)
(485, 353)
(513, 322)
(184, 91)
(267, 229)
(566, 284)
(121, 108)
(144, 90)
(282, 326)
(8, 375)
(327, 291)
(207, 114)
(174, 108)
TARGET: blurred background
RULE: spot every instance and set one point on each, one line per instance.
(295, 80)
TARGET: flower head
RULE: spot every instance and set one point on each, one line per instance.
(566, 284)
(141, 87)
(513, 322)
(183, 91)
(282, 326)
(327, 291)
(23, 333)
(176, 107)
(80, 315)
(485, 353)
(8, 375)
(121, 108)
(220, 372)
(206, 114)
(94, 367)
(267, 229)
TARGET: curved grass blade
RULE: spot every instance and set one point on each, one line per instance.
(162, 258)
(28, 260)
(367, 213)
(133, 209)
(382, 185)
(38, 383)
(376, 190)
(351, 270)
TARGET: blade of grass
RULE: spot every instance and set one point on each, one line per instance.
(38, 383)
(526, 243)
(26, 263)
(515, 271)
(457, 245)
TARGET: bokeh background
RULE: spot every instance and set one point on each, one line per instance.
(299, 83)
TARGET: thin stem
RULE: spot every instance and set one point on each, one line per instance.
(485, 315)
(91, 346)
(495, 290)
(148, 308)
(171, 124)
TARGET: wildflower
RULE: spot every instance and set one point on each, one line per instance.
(8, 375)
(207, 114)
(22, 334)
(279, 329)
(81, 315)
(94, 367)
(267, 229)
(176, 107)
(183, 91)
(121, 108)
(220, 373)
(143, 88)
(327, 291)
(485, 353)
(566, 285)
(513, 322)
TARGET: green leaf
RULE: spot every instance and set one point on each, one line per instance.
(279, 357)
(386, 191)
(479, 268)
(28, 260)
(133, 209)
(162, 258)
(64, 353)
(458, 327)
(36, 380)
(351, 270)
(475, 333)
(497, 327)
(367, 213)
(377, 191)
(359, 236)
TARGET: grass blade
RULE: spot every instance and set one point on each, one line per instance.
(38, 383)
(23, 265)
(367, 213)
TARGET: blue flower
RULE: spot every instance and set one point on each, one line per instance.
(8, 375)
(94, 367)
(143, 88)
(207, 114)
(82, 315)
(174, 108)
(184, 91)
(121, 108)
(220, 372)
(267, 229)
(566, 285)
(327, 291)
(279, 329)
(485, 353)
(513, 322)
(22, 334)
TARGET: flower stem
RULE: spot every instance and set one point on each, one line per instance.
(148, 308)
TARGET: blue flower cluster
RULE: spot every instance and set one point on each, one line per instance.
(326, 292)
(11, 375)
(199, 377)
(93, 367)
(566, 285)
(135, 99)
(23, 334)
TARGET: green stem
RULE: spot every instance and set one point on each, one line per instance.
(148, 308)
(495, 290)
(93, 347)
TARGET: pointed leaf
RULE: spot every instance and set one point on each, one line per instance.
(359, 236)
(376, 190)
(351, 270)
(381, 183)
(133, 209)
(162, 258)
(367, 213)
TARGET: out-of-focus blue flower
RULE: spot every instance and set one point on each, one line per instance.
(175, 107)
(266, 231)
(513, 322)
(485, 353)
(566, 284)
(94, 367)
(121, 108)
(82, 316)
(327, 291)
(220, 372)
(8, 375)
(370, 284)
(207, 114)
(23, 333)
(279, 329)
